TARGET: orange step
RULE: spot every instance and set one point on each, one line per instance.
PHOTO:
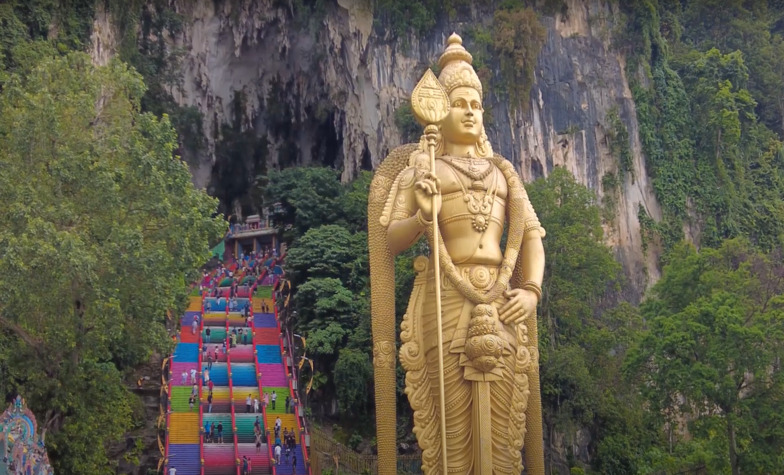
(184, 428)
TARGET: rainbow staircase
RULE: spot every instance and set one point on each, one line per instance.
(253, 367)
(183, 438)
(275, 378)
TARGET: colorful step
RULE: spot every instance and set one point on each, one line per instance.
(186, 353)
(194, 303)
(246, 426)
(180, 398)
(220, 399)
(260, 303)
(264, 320)
(259, 458)
(268, 354)
(243, 374)
(286, 462)
(242, 354)
(217, 334)
(219, 373)
(222, 418)
(237, 320)
(241, 394)
(219, 459)
(214, 348)
(185, 458)
(184, 428)
(178, 368)
(267, 336)
(262, 292)
(280, 405)
(273, 375)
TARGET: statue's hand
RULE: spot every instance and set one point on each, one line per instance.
(424, 190)
(521, 305)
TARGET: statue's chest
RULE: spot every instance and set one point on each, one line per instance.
(475, 178)
(472, 197)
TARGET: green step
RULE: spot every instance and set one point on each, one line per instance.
(217, 334)
(179, 399)
(228, 431)
(263, 292)
(280, 405)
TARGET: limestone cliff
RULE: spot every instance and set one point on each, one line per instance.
(322, 86)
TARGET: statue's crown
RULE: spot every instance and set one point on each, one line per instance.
(456, 69)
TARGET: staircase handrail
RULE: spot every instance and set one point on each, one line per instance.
(168, 409)
(302, 423)
(231, 394)
(201, 379)
(291, 386)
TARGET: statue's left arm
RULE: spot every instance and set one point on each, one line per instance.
(524, 297)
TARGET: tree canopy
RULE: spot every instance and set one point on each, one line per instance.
(709, 361)
(100, 230)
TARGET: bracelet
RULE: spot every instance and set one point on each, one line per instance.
(421, 219)
(533, 287)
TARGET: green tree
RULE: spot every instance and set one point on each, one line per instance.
(100, 229)
(583, 336)
(330, 251)
(711, 358)
(353, 375)
(308, 197)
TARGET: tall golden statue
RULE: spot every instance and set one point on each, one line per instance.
(469, 345)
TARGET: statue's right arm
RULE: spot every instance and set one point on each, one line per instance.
(405, 228)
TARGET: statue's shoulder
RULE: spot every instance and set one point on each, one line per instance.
(397, 160)
(502, 163)
(397, 171)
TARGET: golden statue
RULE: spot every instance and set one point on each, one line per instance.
(469, 345)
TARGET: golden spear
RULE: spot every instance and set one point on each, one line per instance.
(430, 104)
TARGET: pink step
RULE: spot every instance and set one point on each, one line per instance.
(273, 375)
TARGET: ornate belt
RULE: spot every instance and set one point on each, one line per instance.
(482, 277)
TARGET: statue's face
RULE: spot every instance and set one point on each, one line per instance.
(464, 123)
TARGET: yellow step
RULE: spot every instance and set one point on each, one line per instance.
(257, 305)
(194, 305)
(287, 421)
(184, 428)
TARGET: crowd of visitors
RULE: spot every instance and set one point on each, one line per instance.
(252, 264)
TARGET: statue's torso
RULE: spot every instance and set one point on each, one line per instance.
(473, 209)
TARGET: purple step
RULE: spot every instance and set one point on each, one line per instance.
(273, 375)
(187, 319)
(185, 458)
(264, 320)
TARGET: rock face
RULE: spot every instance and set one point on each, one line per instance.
(322, 86)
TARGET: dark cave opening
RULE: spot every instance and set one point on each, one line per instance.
(327, 144)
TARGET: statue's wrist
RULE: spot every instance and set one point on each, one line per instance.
(532, 286)
(422, 220)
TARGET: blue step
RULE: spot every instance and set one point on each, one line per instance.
(268, 354)
(219, 374)
(186, 353)
(243, 374)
